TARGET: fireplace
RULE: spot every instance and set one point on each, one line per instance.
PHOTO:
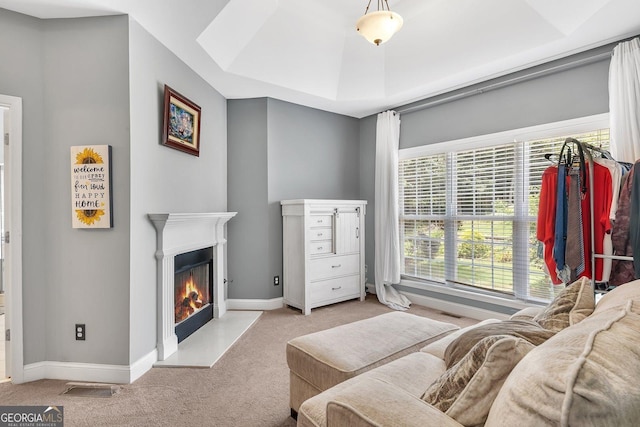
(176, 234)
(193, 294)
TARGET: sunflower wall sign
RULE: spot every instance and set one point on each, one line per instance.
(91, 186)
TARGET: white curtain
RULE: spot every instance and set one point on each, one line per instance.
(387, 238)
(624, 101)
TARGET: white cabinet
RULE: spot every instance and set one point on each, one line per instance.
(323, 252)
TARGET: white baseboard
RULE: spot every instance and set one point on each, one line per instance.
(142, 365)
(255, 304)
(90, 372)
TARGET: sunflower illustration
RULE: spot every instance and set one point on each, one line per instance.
(88, 156)
(89, 216)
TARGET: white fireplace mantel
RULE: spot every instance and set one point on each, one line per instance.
(178, 233)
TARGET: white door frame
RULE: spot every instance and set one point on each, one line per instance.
(13, 224)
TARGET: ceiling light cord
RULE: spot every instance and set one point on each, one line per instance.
(369, 4)
(381, 6)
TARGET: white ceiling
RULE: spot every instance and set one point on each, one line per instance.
(308, 51)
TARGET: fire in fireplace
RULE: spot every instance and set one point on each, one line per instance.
(192, 293)
(193, 283)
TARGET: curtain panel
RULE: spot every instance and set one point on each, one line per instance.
(387, 237)
(624, 101)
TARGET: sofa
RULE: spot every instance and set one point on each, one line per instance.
(571, 363)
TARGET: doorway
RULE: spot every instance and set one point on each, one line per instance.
(11, 344)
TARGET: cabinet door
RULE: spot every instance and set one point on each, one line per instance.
(348, 232)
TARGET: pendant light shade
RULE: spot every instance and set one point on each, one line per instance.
(378, 27)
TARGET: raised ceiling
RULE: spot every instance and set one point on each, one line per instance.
(308, 51)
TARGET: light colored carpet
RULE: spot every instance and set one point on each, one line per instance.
(248, 386)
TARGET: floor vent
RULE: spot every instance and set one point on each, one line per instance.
(91, 390)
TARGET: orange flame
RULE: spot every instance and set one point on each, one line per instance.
(188, 301)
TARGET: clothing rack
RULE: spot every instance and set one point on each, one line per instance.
(586, 156)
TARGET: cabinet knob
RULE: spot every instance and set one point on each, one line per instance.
(336, 266)
(335, 289)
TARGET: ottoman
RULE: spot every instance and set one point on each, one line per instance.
(323, 359)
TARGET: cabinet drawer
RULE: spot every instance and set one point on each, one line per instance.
(324, 268)
(316, 234)
(323, 247)
(334, 289)
(320, 221)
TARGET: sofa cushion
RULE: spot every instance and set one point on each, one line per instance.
(412, 374)
(373, 403)
(527, 330)
(569, 307)
(585, 375)
(466, 391)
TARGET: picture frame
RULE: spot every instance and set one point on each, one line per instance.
(91, 198)
(181, 124)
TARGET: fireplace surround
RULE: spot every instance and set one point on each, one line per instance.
(178, 233)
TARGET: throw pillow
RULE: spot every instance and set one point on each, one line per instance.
(525, 329)
(466, 391)
(575, 303)
(585, 375)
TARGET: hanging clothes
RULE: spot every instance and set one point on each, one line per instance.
(602, 199)
(623, 271)
(574, 255)
(561, 225)
(582, 213)
(616, 170)
(545, 227)
(565, 221)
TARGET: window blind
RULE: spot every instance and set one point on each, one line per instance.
(468, 217)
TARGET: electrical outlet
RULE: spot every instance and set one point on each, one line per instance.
(276, 280)
(81, 332)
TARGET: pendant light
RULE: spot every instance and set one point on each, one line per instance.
(378, 27)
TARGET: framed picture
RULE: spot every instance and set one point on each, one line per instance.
(181, 123)
(91, 186)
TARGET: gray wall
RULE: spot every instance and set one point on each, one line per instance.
(367, 181)
(577, 92)
(164, 179)
(21, 74)
(87, 271)
(307, 153)
(69, 275)
(248, 243)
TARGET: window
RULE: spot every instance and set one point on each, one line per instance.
(468, 209)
